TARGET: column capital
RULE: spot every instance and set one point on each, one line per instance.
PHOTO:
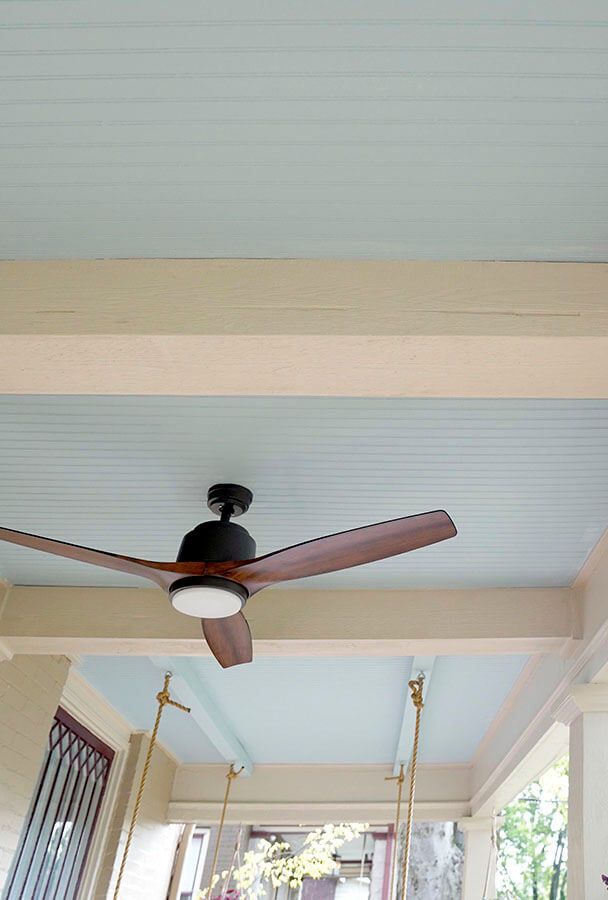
(479, 823)
(583, 698)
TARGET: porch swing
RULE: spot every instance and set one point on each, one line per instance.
(416, 687)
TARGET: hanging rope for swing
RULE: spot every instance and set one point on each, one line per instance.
(400, 778)
(236, 859)
(489, 887)
(416, 696)
(229, 779)
(163, 699)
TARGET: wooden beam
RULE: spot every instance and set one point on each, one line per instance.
(314, 794)
(295, 622)
(312, 814)
(188, 687)
(327, 327)
(303, 296)
(421, 665)
(305, 365)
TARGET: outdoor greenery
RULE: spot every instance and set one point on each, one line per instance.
(275, 862)
(532, 843)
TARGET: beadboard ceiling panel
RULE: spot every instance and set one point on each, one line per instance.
(462, 130)
(526, 481)
(348, 710)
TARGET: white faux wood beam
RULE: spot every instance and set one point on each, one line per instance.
(306, 365)
(295, 622)
(189, 689)
(327, 327)
(311, 813)
(302, 296)
(421, 665)
(314, 794)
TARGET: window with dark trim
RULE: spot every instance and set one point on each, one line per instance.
(52, 852)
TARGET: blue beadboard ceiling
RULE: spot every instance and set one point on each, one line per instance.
(332, 128)
(526, 481)
(348, 710)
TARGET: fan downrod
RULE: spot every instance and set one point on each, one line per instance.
(229, 500)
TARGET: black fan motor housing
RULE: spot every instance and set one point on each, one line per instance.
(216, 542)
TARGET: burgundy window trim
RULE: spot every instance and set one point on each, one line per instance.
(95, 748)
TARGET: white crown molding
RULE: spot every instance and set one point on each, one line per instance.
(94, 712)
(583, 698)
(566, 712)
(590, 697)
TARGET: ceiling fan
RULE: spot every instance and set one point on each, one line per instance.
(216, 571)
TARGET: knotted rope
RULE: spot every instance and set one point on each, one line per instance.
(416, 689)
(229, 779)
(400, 778)
(164, 699)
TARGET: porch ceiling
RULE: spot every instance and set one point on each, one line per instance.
(455, 131)
(332, 710)
(525, 481)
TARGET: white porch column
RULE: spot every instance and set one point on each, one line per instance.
(586, 712)
(478, 844)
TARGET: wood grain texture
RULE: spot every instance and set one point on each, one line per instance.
(161, 573)
(294, 622)
(229, 640)
(340, 551)
(306, 365)
(317, 782)
(308, 297)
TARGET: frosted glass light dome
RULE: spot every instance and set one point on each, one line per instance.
(206, 601)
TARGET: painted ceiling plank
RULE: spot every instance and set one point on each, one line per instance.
(421, 665)
(188, 686)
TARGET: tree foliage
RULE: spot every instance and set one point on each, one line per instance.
(275, 862)
(532, 843)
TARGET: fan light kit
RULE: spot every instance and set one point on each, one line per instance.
(216, 570)
(207, 598)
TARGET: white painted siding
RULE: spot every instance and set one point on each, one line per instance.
(30, 691)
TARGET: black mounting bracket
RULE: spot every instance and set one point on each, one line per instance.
(228, 500)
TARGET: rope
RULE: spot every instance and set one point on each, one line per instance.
(163, 698)
(235, 856)
(229, 779)
(416, 689)
(400, 778)
(489, 888)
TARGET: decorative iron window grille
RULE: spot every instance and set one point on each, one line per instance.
(55, 841)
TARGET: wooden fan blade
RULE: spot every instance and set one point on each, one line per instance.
(161, 573)
(229, 639)
(343, 550)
